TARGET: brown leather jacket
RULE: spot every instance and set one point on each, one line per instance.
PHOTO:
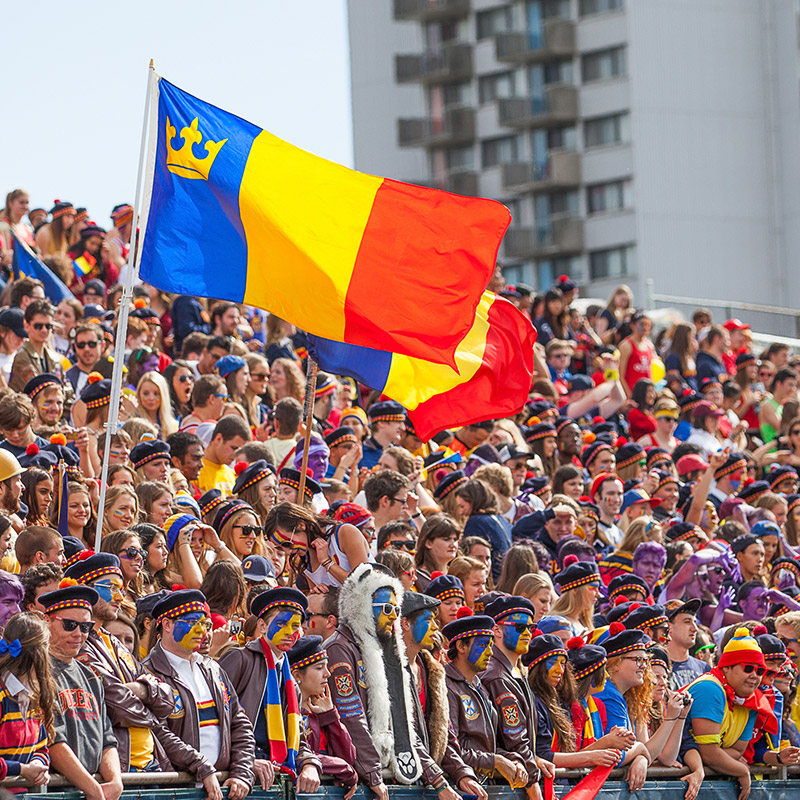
(126, 710)
(27, 364)
(516, 713)
(237, 744)
(247, 669)
(473, 719)
(349, 694)
(339, 751)
(434, 725)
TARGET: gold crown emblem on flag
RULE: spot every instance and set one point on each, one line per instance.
(183, 162)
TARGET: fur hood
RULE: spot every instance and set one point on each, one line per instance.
(438, 710)
(355, 611)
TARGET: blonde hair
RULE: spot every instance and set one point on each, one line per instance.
(532, 583)
(638, 699)
(166, 419)
(575, 605)
(513, 431)
(643, 529)
(136, 427)
(462, 567)
(295, 382)
(113, 493)
(226, 533)
(498, 477)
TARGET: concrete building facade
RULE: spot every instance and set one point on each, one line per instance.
(632, 140)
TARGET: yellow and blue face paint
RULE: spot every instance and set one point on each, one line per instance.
(518, 632)
(480, 651)
(385, 610)
(284, 629)
(189, 630)
(109, 589)
(424, 628)
(555, 666)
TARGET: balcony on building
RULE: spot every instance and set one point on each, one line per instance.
(430, 10)
(452, 62)
(462, 182)
(556, 104)
(560, 170)
(456, 126)
(556, 236)
(555, 38)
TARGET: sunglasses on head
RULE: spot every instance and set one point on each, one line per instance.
(83, 345)
(131, 553)
(750, 668)
(71, 624)
(38, 326)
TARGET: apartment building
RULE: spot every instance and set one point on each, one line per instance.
(632, 140)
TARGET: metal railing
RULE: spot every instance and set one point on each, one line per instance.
(731, 307)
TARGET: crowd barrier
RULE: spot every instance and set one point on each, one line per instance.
(769, 783)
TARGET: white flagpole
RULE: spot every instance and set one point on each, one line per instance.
(112, 426)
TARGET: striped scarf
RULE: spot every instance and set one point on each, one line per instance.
(283, 739)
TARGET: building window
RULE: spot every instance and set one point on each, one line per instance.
(611, 196)
(598, 6)
(499, 151)
(606, 130)
(495, 87)
(563, 138)
(611, 263)
(559, 72)
(460, 158)
(550, 9)
(603, 64)
(458, 94)
(495, 20)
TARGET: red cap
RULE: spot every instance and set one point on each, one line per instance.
(735, 325)
(600, 479)
(706, 409)
(690, 463)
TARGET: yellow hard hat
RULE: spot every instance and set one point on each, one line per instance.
(9, 466)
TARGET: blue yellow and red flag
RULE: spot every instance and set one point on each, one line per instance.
(495, 370)
(236, 213)
(26, 263)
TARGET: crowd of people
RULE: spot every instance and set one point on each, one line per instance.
(609, 578)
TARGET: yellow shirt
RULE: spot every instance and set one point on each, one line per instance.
(142, 748)
(216, 476)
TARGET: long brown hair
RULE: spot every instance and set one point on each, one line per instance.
(32, 664)
(543, 689)
(439, 526)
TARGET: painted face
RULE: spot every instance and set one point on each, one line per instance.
(318, 456)
(189, 630)
(284, 629)
(10, 599)
(480, 651)
(424, 628)
(518, 631)
(555, 666)
(385, 611)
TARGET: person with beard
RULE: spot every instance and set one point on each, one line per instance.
(207, 715)
(369, 671)
(262, 679)
(136, 701)
(84, 743)
(509, 692)
(419, 627)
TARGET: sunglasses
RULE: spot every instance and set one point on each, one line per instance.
(185, 379)
(750, 668)
(519, 627)
(388, 608)
(132, 553)
(83, 345)
(38, 326)
(717, 570)
(259, 376)
(248, 530)
(409, 545)
(71, 624)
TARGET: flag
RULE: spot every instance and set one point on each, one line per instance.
(495, 369)
(26, 263)
(237, 214)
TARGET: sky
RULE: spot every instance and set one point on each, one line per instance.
(75, 79)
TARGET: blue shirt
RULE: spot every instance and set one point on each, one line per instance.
(616, 708)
